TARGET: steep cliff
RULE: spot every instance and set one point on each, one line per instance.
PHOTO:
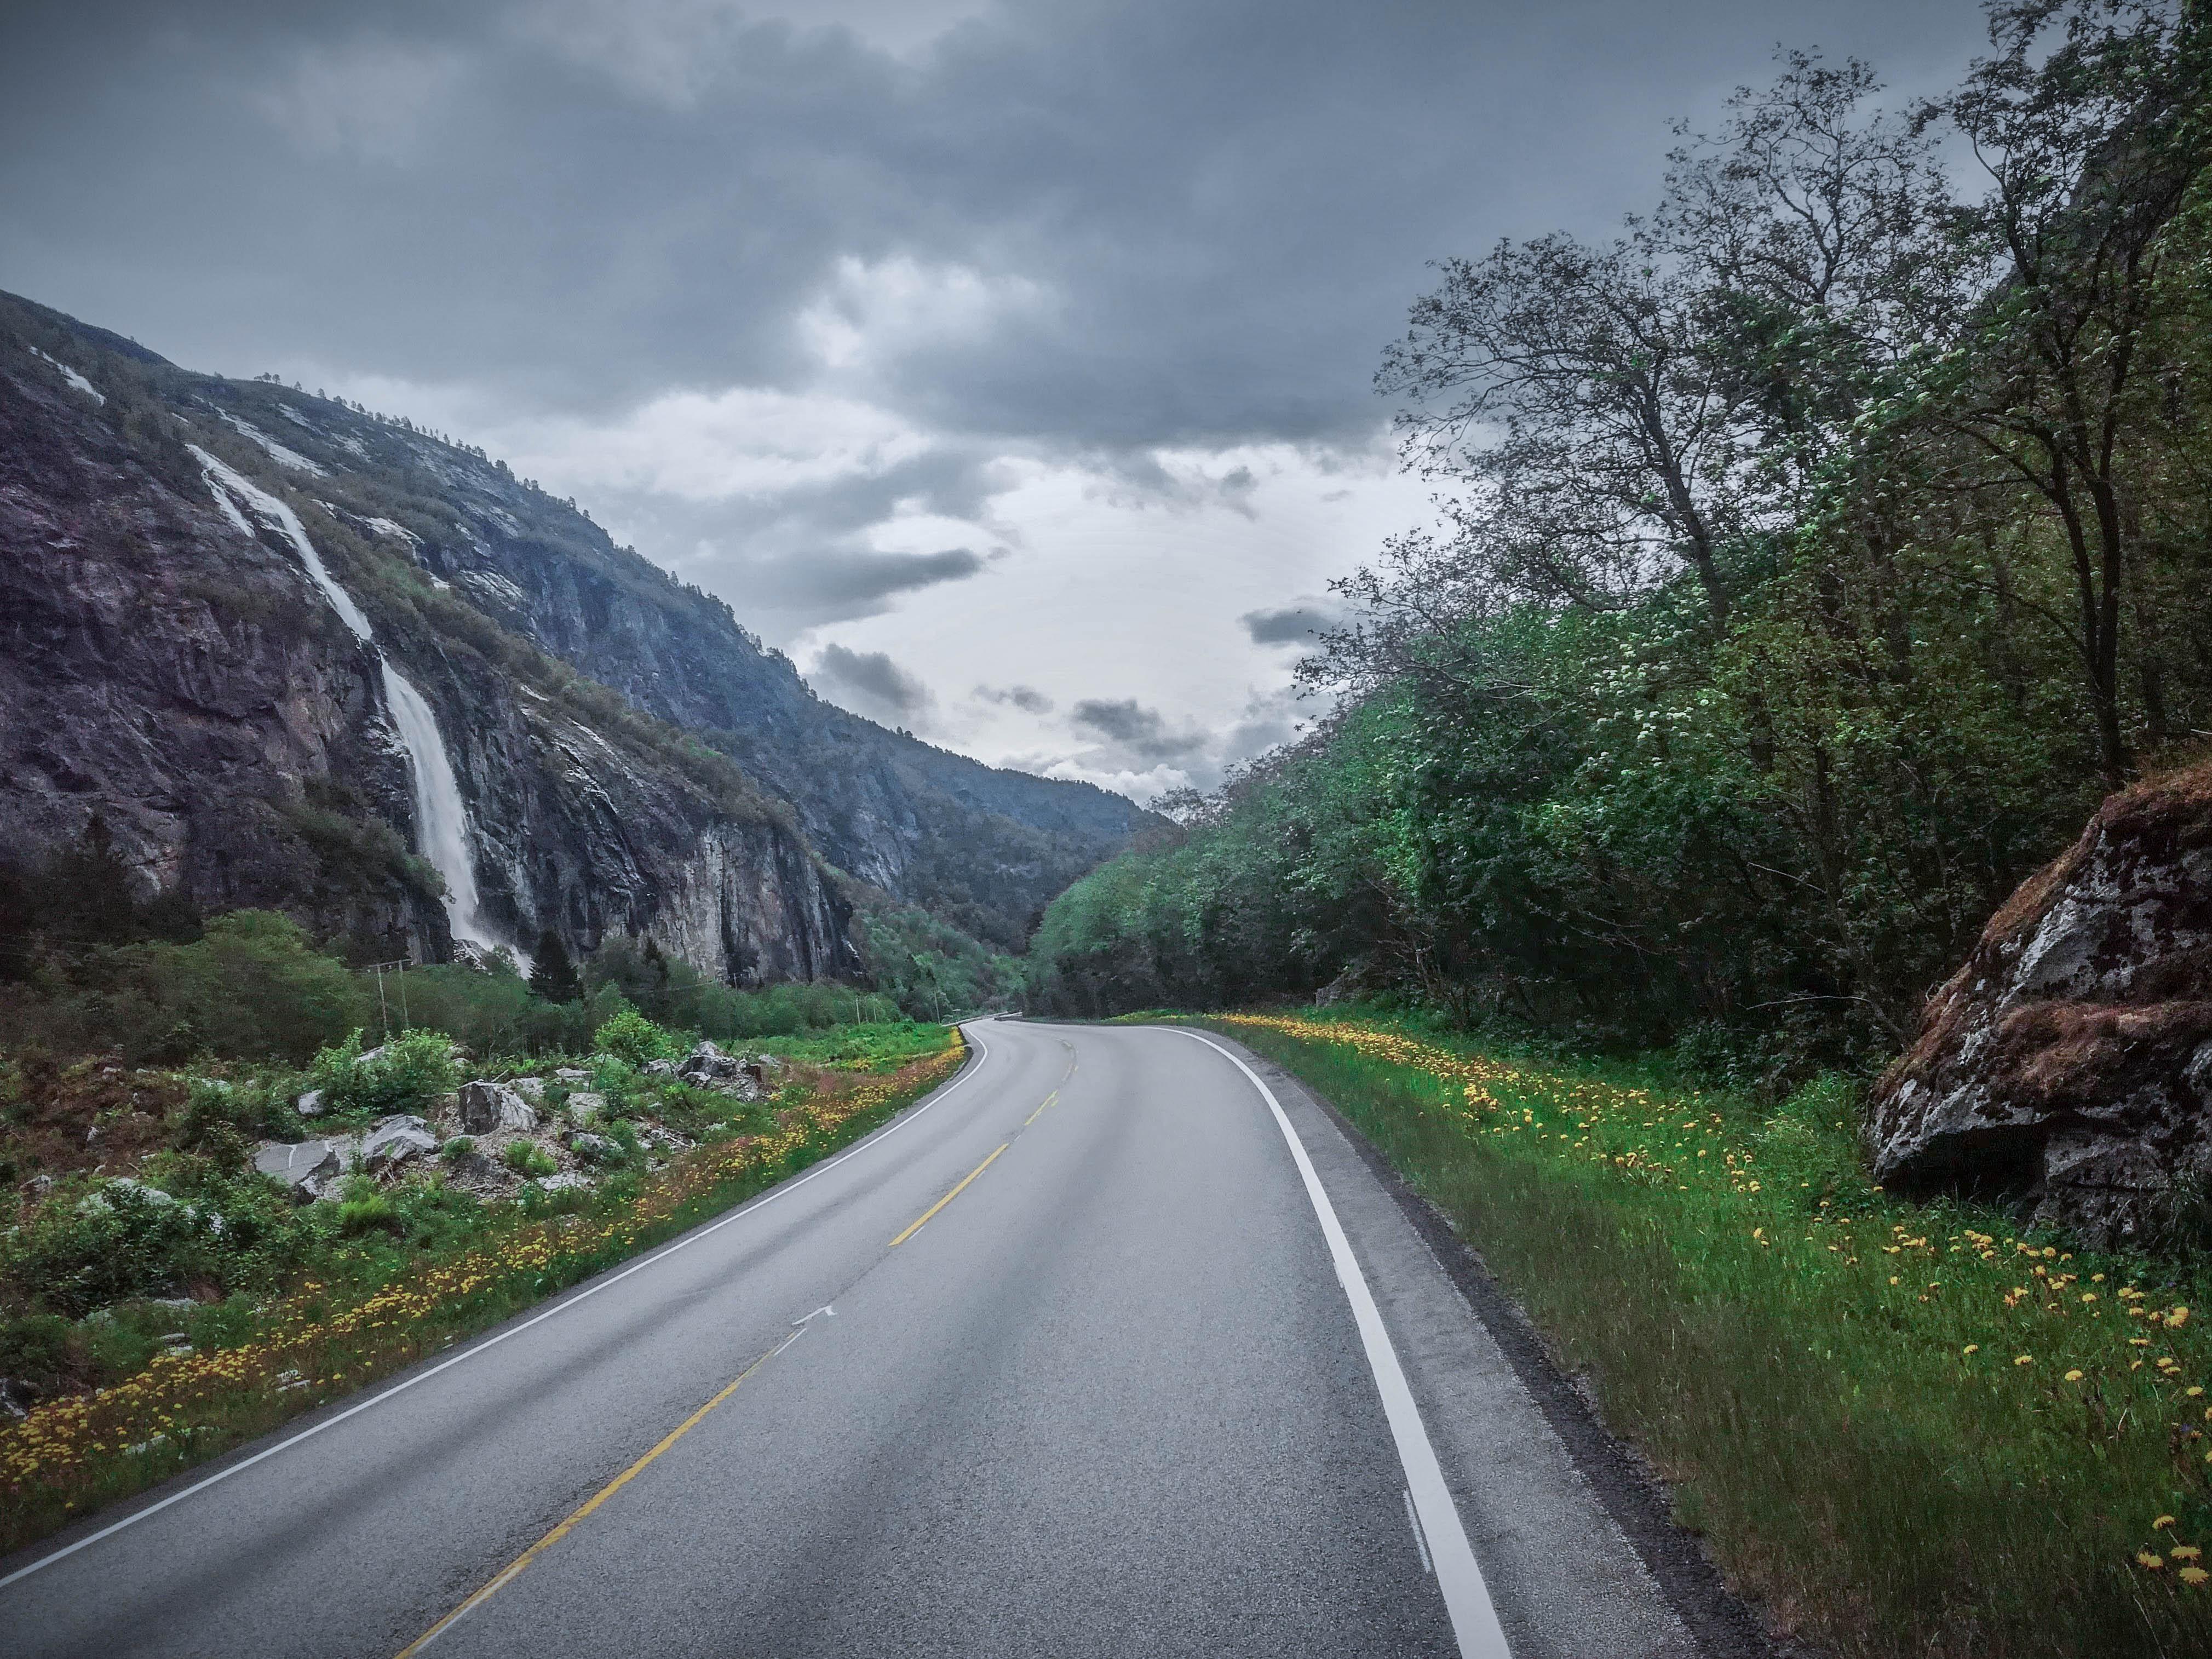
(220, 600)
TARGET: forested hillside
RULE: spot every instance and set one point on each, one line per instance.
(1816, 555)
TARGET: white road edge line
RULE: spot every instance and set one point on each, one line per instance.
(1467, 1598)
(983, 1053)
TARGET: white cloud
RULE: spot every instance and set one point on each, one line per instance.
(871, 313)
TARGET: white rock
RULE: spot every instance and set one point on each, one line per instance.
(309, 1104)
(707, 1064)
(395, 1140)
(567, 1181)
(585, 1107)
(490, 1108)
(304, 1166)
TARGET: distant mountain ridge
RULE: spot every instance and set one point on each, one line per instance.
(630, 755)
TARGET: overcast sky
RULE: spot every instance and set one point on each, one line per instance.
(1007, 364)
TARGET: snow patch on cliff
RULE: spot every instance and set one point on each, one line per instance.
(277, 452)
(72, 377)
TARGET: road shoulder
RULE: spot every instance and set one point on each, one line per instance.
(1572, 1531)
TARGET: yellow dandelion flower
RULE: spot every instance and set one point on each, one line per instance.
(2193, 1577)
(1971, 1348)
(2074, 1376)
(2162, 1523)
(2024, 1359)
(2145, 1558)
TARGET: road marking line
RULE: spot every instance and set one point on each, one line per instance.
(1420, 1543)
(948, 1198)
(1033, 1116)
(1467, 1598)
(514, 1570)
(983, 1053)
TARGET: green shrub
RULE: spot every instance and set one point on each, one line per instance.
(219, 1115)
(373, 1213)
(253, 988)
(630, 1036)
(35, 1350)
(527, 1158)
(88, 1246)
(407, 1074)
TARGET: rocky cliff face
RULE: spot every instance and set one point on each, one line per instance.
(169, 663)
(984, 847)
(2069, 1063)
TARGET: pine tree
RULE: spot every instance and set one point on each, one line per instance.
(89, 894)
(552, 974)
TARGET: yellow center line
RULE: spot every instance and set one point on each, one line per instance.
(934, 1208)
(1033, 1116)
(514, 1569)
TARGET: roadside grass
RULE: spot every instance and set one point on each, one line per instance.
(1908, 1429)
(381, 1309)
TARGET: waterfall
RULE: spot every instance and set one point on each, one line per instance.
(441, 819)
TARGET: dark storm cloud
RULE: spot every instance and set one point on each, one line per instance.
(849, 580)
(870, 683)
(1136, 732)
(1177, 223)
(1027, 698)
(1292, 624)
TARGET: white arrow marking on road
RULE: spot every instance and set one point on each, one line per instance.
(825, 1309)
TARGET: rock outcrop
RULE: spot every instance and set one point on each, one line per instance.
(2068, 1065)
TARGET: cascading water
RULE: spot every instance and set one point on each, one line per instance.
(441, 819)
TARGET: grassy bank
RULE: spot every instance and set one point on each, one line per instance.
(1910, 1430)
(428, 1267)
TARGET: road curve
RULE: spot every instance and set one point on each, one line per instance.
(1113, 1345)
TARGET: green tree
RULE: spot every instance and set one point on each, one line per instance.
(552, 974)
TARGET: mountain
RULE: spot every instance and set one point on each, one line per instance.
(300, 656)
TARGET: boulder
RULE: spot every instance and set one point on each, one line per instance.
(531, 1089)
(659, 1068)
(474, 1166)
(571, 1074)
(567, 1181)
(309, 1104)
(2068, 1066)
(596, 1148)
(707, 1065)
(306, 1167)
(488, 1108)
(395, 1140)
(585, 1107)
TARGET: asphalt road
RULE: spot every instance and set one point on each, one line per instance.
(1168, 1372)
